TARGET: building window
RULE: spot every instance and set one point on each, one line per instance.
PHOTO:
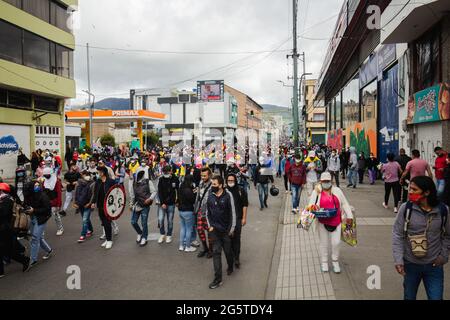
(369, 102)
(38, 8)
(47, 104)
(16, 3)
(19, 99)
(3, 97)
(59, 16)
(338, 111)
(350, 100)
(64, 61)
(426, 60)
(319, 117)
(36, 52)
(11, 42)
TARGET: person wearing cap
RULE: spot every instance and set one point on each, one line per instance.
(82, 202)
(232, 167)
(142, 196)
(9, 246)
(262, 179)
(111, 175)
(167, 195)
(327, 196)
(297, 177)
(313, 168)
(71, 177)
(53, 188)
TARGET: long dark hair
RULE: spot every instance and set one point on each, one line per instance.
(427, 184)
(188, 181)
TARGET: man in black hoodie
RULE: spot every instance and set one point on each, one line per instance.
(241, 204)
(221, 222)
(167, 193)
(403, 160)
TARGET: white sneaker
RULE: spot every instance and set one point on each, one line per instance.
(336, 267)
(138, 238)
(324, 267)
(104, 244)
(60, 232)
(385, 205)
(168, 239)
(161, 239)
(143, 242)
(116, 231)
(395, 210)
(108, 244)
(190, 249)
(103, 237)
(180, 248)
(195, 243)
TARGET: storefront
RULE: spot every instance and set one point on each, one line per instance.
(12, 138)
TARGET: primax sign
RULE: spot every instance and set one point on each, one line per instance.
(125, 113)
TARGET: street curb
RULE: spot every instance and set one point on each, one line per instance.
(272, 279)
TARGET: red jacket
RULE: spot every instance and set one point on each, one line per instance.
(57, 202)
(297, 174)
(440, 164)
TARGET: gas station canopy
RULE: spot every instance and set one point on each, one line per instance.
(114, 116)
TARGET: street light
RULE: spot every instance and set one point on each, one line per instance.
(304, 93)
(284, 85)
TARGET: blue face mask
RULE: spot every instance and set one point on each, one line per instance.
(37, 189)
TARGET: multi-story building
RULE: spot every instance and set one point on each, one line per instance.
(386, 87)
(316, 128)
(36, 76)
(249, 111)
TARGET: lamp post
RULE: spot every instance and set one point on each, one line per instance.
(91, 111)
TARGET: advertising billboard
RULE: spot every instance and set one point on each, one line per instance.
(210, 91)
(431, 104)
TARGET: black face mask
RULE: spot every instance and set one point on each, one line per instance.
(215, 189)
(47, 176)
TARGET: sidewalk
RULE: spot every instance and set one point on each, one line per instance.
(299, 276)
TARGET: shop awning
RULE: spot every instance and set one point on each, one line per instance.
(113, 116)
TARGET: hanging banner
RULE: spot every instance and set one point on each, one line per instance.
(429, 105)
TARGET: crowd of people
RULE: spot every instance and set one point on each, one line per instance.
(212, 200)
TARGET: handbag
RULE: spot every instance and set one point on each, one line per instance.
(419, 242)
(348, 232)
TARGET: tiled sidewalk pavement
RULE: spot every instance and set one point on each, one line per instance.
(299, 276)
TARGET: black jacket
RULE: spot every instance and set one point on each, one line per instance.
(263, 179)
(6, 212)
(221, 212)
(108, 184)
(186, 199)
(41, 204)
(71, 177)
(446, 195)
(403, 161)
(240, 201)
(167, 190)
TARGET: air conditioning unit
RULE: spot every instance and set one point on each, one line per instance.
(184, 98)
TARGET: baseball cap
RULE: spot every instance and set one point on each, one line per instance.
(326, 176)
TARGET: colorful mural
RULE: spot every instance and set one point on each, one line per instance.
(334, 139)
(363, 136)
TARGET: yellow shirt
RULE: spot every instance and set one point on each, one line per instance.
(134, 168)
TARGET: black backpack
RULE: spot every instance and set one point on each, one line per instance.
(444, 217)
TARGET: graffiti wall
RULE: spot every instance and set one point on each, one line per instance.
(363, 136)
(334, 139)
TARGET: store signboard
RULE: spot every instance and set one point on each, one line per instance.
(429, 105)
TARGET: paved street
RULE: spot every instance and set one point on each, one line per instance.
(279, 261)
(128, 271)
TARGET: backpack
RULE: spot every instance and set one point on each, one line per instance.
(444, 217)
(52, 194)
(20, 221)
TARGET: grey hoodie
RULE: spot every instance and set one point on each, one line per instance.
(436, 246)
(353, 161)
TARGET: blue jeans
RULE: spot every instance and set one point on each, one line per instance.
(296, 191)
(144, 222)
(169, 212)
(352, 176)
(37, 239)
(87, 224)
(263, 191)
(433, 280)
(440, 186)
(186, 225)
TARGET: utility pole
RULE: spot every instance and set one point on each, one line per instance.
(295, 57)
(303, 123)
(91, 106)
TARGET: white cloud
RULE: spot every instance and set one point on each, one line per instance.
(197, 25)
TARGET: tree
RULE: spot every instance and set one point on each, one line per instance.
(152, 138)
(108, 140)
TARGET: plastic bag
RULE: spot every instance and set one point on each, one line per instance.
(305, 220)
(348, 233)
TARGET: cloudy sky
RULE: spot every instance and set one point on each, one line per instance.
(163, 43)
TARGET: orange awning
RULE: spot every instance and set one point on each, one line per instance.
(114, 116)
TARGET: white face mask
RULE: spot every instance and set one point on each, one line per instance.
(166, 175)
(326, 185)
(87, 178)
(231, 185)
